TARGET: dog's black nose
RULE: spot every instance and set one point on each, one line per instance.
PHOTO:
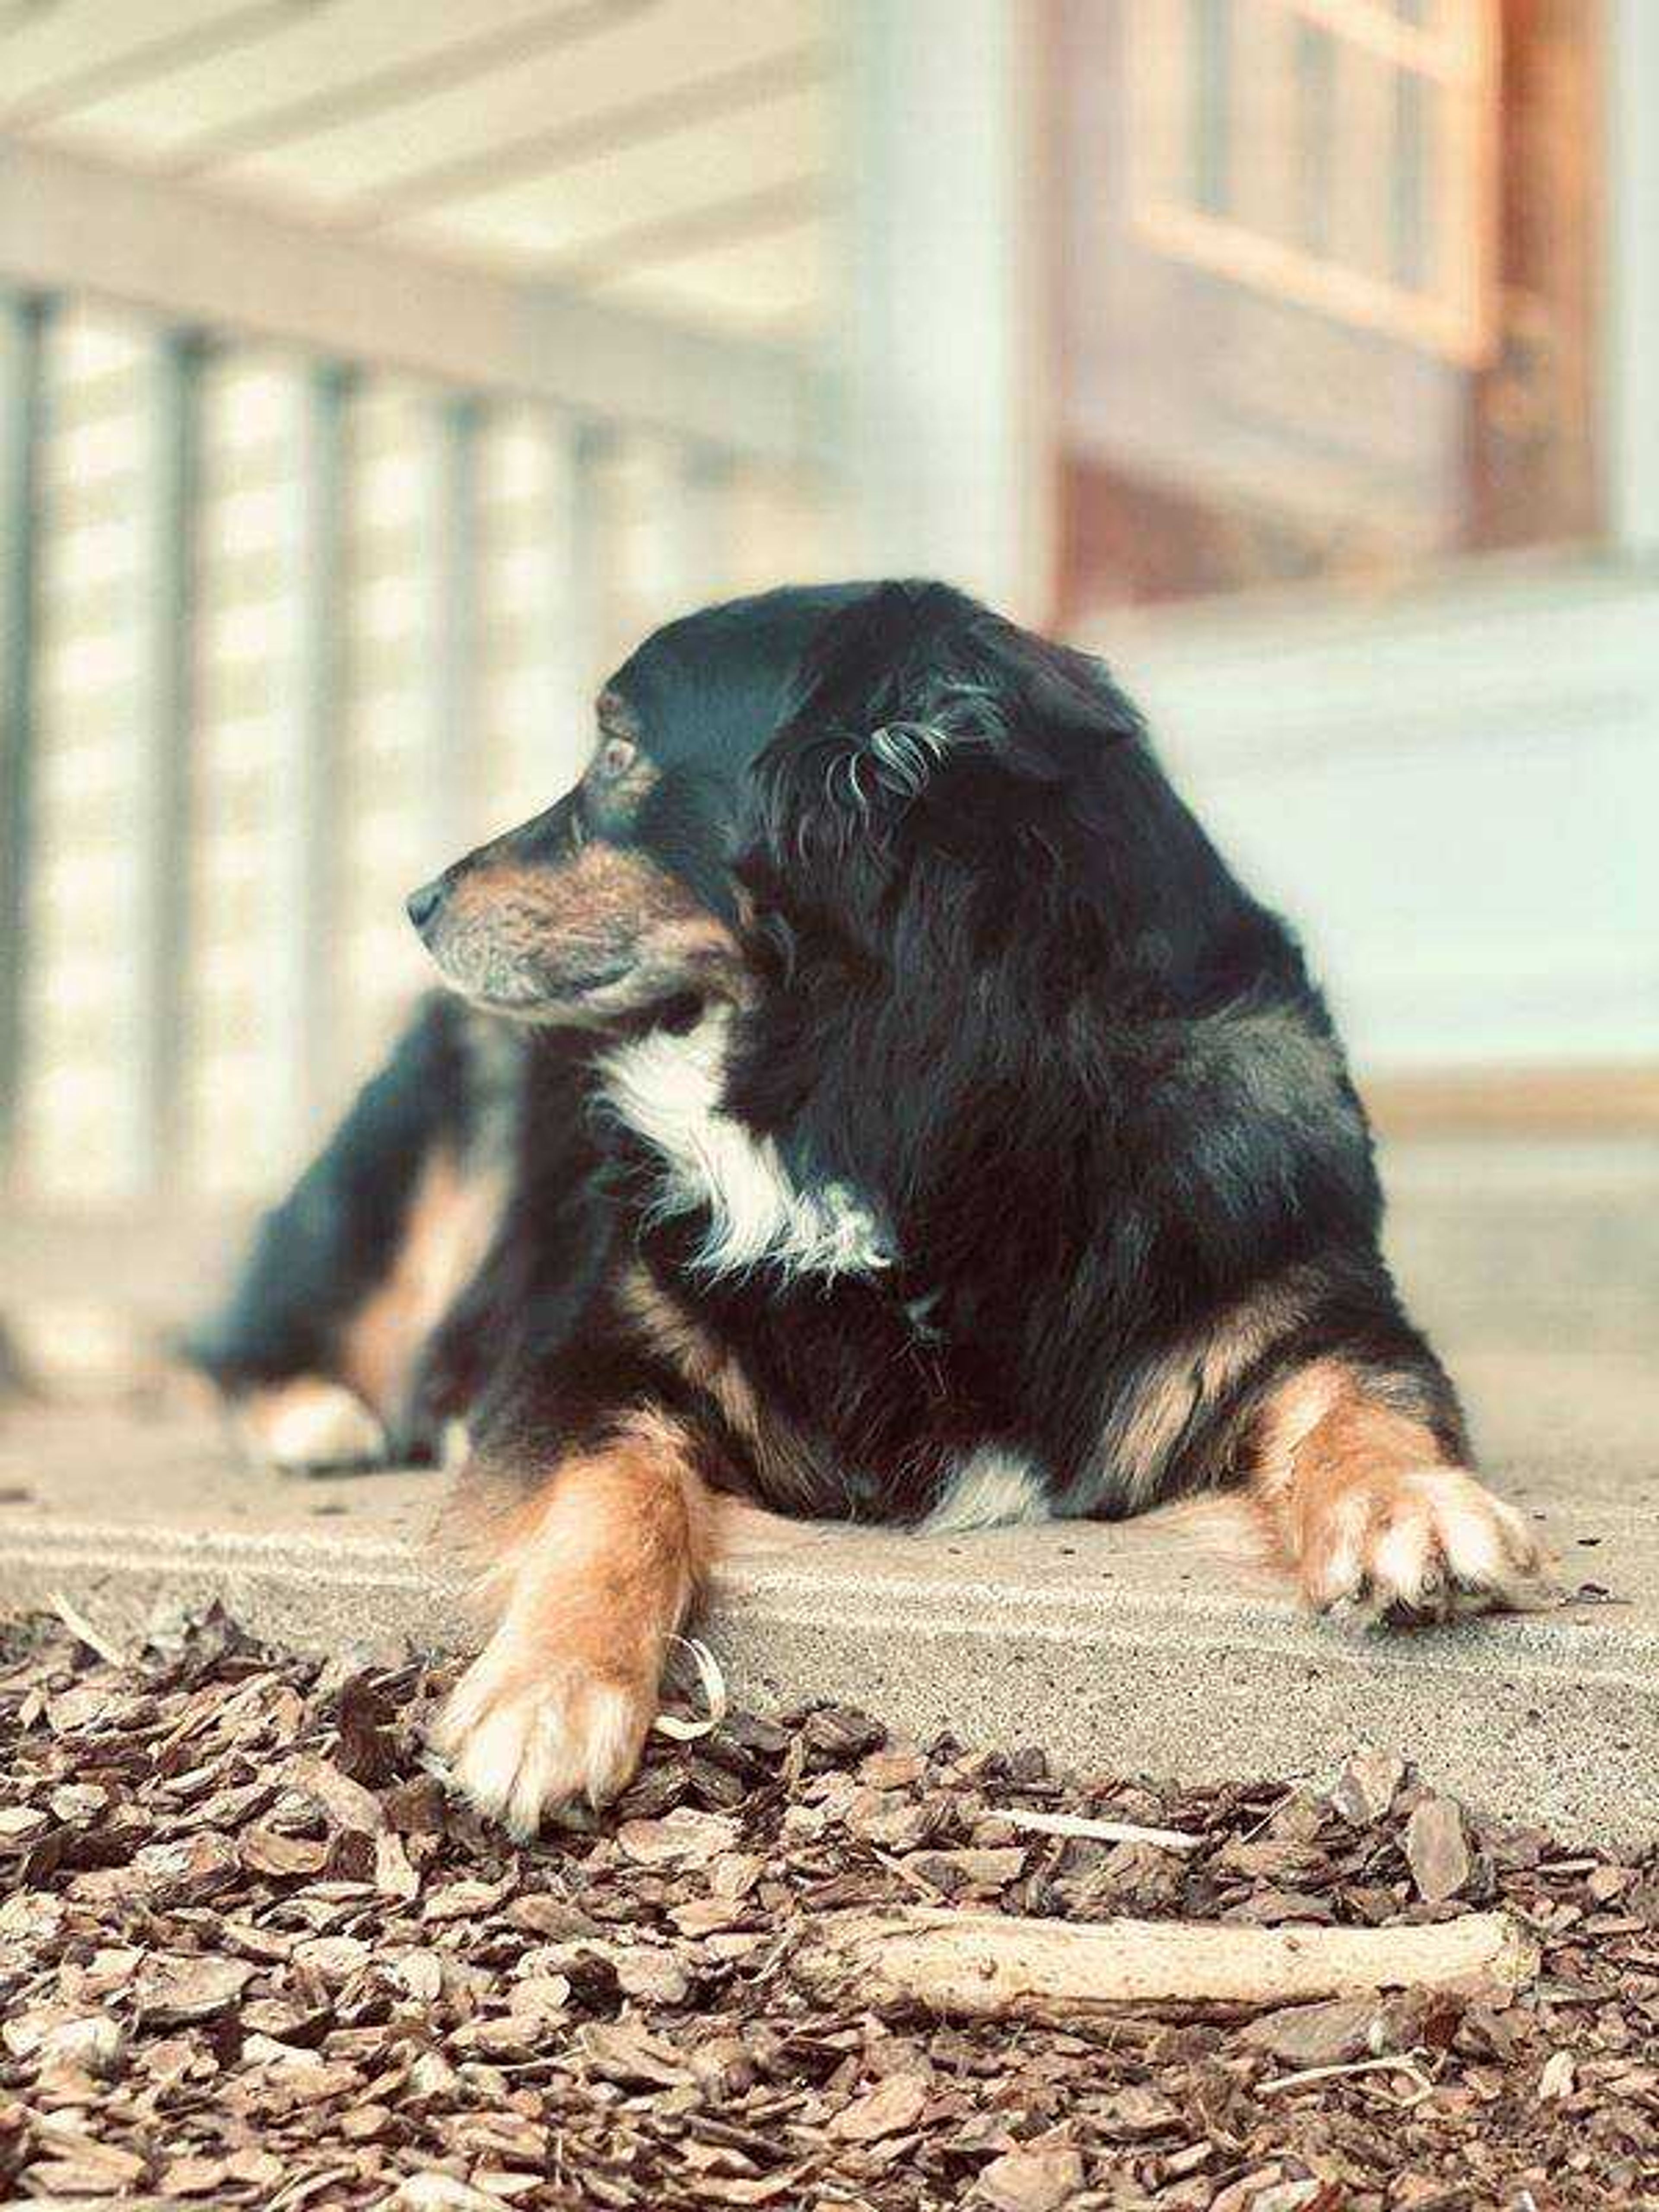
(423, 904)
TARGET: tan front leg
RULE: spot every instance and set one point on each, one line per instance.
(592, 1576)
(1372, 1517)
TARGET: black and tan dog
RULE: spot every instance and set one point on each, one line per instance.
(868, 1094)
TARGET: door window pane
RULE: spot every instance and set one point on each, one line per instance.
(1326, 287)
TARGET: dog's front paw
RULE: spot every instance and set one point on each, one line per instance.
(1423, 1545)
(309, 1425)
(524, 1744)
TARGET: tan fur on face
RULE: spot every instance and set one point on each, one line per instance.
(1362, 1504)
(600, 891)
(512, 934)
(592, 1575)
(452, 1216)
(782, 1460)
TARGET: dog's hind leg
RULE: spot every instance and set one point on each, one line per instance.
(307, 1425)
(315, 1348)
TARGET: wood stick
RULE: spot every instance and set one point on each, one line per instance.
(1105, 1831)
(1399, 2063)
(972, 1966)
(84, 1631)
(713, 1679)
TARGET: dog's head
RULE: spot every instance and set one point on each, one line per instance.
(874, 778)
(621, 900)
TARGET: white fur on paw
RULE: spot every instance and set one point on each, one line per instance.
(1431, 1544)
(522, 1749)
(307, 1425)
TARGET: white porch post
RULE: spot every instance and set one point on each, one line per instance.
(161, 831)
(452, 820)
(305, 989)
(23, 409)
(944, 367)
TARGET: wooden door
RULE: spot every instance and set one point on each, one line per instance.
(1325, 287)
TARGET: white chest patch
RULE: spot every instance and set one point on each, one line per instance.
(667, 1089)
(992, 1489)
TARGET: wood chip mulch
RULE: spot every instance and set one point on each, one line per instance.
(251, 1954)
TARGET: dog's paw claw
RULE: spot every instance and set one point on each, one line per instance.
(309, 1426)
(521, 1748)
(1427, 1545)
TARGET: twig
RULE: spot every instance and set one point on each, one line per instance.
(1105, 1831)
(908, 1876)
(84, 1631)
(713, 1689)
(1398, 2064)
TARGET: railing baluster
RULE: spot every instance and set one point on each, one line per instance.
(166, 719)
(23, 319)
(452, 797)
(307, 1022)
(580, 574)
(700, 525)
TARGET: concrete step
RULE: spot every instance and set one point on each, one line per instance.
(1123, 1649)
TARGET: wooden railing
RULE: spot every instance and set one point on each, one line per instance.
(472, 492)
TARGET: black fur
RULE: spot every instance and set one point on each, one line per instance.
(995, 980)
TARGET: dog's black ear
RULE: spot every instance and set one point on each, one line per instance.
(963, 862)
(864, 729)
(911, 681)
(907, 685)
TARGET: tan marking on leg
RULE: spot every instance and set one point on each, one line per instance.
(592, 1576)
(1142, 1433)
(1365, 1507)
(782, 1461)
(451, 1217)
(307, 1422)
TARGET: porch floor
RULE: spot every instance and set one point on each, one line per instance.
(1124, 1649)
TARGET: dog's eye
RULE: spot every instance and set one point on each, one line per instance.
(614, 757)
